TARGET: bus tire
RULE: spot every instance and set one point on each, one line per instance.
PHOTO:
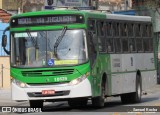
(77, 102)
(36, 104)
(99, 101)
(138, 94)
(134, 97)
(158, 77)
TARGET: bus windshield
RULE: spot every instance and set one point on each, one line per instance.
(36, 49)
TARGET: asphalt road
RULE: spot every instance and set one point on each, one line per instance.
(113, 106)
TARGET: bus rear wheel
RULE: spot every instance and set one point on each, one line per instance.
(77, 102)
(134, 97)
(36, 104)
(158, 77)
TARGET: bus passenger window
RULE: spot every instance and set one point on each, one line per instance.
(151, 45)
(123, 29)
(139, 45)
(100, 28)
(132, 44)
(150, 31)
(118, 45)
(125, 45)
(130, 47)
(144, 30)
(109, 45)
(130, 30)
(138, 30)
(108, 29)
(146, 44)
(115, 29)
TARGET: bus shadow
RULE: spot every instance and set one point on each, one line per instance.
(111, 106)
(89, 108)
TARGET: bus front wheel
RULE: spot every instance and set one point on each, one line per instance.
(36, 103)
(77, 102)
(99, 101)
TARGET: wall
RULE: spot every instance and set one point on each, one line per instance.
(4, 61)
(0, 4)
(4, 72)
(10, 5)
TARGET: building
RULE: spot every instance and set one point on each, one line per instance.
(115, 5)
(5, 16)
(24, 5)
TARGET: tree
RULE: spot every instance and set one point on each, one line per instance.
(27, 5)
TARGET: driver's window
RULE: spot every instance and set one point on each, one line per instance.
(92, 48)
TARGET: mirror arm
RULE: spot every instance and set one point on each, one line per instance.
(7, 29)
(7, 52)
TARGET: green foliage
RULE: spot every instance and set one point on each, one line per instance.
(152, 4)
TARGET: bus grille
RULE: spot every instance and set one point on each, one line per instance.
(38, 73)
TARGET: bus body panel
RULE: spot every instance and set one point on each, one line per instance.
(81, 90)
(124, 71)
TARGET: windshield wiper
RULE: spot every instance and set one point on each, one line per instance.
(32, 39)
(34, 42)
(59, 39)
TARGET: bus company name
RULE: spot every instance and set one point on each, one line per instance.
(47, 20)
(116, 62)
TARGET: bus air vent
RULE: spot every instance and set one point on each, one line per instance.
(38, 73)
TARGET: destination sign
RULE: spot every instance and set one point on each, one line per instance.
(46, 20)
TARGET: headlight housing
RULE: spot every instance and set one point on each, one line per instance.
(19, 83)
(79, 79)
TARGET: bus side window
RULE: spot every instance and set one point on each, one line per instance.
(137, 30)
(118, 46)
(116, 29)
(124, 38)
(109, 30)
(132, 44)
(92, 47)
(130, 30)
(138, 37)
(91, 25)
(124, 29)
(124, 44)
(101, 29)
(109, 45)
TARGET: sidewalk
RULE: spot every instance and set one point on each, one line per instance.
(153, 89)
(5, 94)
(5, 97)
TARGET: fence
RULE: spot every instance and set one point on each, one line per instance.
(4, 72)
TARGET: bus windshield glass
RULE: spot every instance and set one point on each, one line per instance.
(36, 49)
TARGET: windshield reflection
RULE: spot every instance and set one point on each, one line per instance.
(71, 49)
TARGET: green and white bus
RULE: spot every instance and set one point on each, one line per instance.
(76, 56)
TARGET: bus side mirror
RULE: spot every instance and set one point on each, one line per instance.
(4, 40)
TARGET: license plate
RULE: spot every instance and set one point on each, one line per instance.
(48, 92)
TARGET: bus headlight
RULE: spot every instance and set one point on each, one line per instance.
(79, 80)
(19, 83)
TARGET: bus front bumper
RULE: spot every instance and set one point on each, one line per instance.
(62, 91)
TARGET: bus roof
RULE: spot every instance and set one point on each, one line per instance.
(128, 18)
(90, 14)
